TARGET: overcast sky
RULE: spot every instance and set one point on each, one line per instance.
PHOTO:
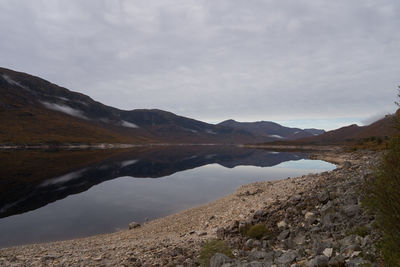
(302, 63)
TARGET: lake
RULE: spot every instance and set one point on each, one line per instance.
(56, 195)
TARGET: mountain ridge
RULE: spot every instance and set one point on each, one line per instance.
(34, 110)
(272, 129)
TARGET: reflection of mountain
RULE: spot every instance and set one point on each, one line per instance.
(22, 190)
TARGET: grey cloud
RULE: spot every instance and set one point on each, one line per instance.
(370, 119)
(213, 60)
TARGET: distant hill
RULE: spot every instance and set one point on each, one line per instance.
(381, 128)
(33, 110)
(273, 130)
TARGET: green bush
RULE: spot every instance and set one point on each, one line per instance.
(210, 248)
(257, 231)
(382, 197)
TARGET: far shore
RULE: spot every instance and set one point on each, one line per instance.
(78, 146)
(67, 146)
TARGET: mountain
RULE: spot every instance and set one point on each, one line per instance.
(33, 110)
(382, 128)
(273, 130)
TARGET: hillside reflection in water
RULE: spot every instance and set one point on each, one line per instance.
(59, 195)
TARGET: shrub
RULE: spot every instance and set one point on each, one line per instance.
(257, 231)
(379, 140)
(382, 197)
(210, 248)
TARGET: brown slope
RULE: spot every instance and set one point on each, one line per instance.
(381, 128)
(30, 125)
(23, 119)
(30, 113)
(271, 130)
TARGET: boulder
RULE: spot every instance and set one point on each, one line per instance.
(338, 261)
(283, 235)
(219, 259)
(282, 224)
(323, 197)
(295, 199)
(286, 258)
(328, 252)
(134, 225)
(259, 214)
(261, 255)
(328, 208)
(351, 210)
(319, 261)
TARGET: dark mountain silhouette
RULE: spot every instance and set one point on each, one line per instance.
(36, 178)
(273, 130)
(33, 110)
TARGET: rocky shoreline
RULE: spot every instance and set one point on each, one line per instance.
(312, 220)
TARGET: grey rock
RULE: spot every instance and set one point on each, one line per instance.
(299, 239)
(283, 235)
(219, 259)
(319, 261)
(366, 241)
(350, 249)
(309, 216)
(282, 224)
(327, 220)
(259, 214)
(328, 252)
(323, 197)
(255, 264)
(350, 199)
(257, 243)
(301, 252)
(261, 255)
(348, 240)
(355, 262)
(287, 257)
(277, 253)
(250, 243)
(351, 210)
(296, 198)
(337, 261)
(333, 195)
(327, 208)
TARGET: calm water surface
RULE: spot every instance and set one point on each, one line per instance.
(48, 196)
